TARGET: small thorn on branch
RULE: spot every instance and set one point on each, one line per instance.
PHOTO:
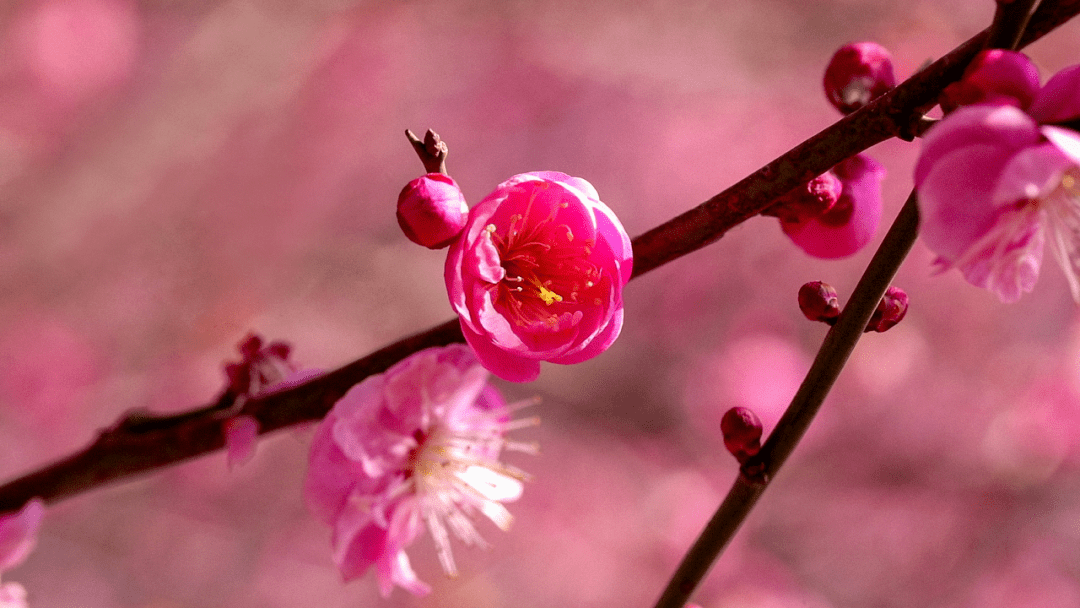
(432, 151)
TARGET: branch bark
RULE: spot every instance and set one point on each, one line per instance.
(142, 442)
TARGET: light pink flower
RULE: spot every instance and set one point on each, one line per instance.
(538, 273)
(849, 224)
(416, 446)
(995, 183)
(18, 536)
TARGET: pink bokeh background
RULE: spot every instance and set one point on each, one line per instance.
(174, 174)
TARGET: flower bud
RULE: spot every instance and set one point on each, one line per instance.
(857, 74)
(808, 201)
(995, 76)
(742, 433)
(819, 302)
(890, 310)
(431, 210)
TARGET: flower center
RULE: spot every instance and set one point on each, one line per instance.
(547, 267)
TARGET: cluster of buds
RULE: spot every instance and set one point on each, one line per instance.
(818, 301)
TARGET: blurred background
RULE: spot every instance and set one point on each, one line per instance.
(177, 173)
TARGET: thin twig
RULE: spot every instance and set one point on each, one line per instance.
(121, 452)
(759, 470)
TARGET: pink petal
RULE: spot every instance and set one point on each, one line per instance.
(1031, 174)
(1003, 127)
(954, 199)
(1066, 140)
(1059, 100)
(241, 433)
(18, 533)
(502, 363)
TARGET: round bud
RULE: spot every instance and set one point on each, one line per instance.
(431, 210)
(819, 302)
(890, 310)
(857, 74)
(742, 432)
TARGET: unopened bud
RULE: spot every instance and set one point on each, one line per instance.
(857, 74)
(890, 310)
(995, 76)
(431, 210)
(808, 201)
(742, 433)
(819, 302)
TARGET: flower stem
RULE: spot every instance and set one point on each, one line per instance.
(759, 470)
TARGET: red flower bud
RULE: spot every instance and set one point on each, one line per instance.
(431, 210)
(742, 432)
(890, 310)
(819, 302)
(857, 74)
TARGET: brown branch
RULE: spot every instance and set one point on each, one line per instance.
(140, 443)
(760, 469)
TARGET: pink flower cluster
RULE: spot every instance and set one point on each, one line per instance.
(998, 179)
(537, 275)
(416, 446)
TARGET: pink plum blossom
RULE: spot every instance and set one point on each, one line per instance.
(431, 210)
(996, 182)
(18, 535)
(537, 275)
(416, 446)
(849, 224)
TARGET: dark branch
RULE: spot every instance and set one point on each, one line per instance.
(135, 446)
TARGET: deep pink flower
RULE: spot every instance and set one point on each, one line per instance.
(416, 446)
(18, 535)
(431, 210)
(538, 273)
(857, 74)
(849, 224)
(995, 183)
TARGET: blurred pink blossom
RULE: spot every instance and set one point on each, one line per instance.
(241, 433)
(995, 182)
(416, 445)
(849, 224)
(18, 535)
(538, 274)
(75, 49)
(431, 210)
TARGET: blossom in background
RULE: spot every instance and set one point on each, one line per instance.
(998, 179)
(845, 227)
(263, 369)
(431, 210)
(18, 535)
(416, 446)
(537, 275)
